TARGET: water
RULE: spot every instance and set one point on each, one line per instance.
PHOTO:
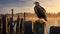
(52, 21)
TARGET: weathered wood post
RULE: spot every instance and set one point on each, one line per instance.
(24, 16)
(21, 25)
(11, 23)
(54, 30)
(28, 27)
(11, 26)
(12, 14)
(3, 24)
(0, 26)
(7, 25)
(39, 27)
(17, 26)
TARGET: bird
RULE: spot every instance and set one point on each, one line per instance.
(40, 11)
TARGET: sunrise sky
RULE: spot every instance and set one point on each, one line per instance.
(51, 6)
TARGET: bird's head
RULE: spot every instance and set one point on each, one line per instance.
(36, 3)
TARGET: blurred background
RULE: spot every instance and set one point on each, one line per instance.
(52, 8)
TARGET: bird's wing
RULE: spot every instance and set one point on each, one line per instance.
(43, 9)
(35, 8)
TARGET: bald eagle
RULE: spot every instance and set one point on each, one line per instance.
(40, 11)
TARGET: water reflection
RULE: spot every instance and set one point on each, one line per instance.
(52, 22)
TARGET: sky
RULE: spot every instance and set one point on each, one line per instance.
(21, 6)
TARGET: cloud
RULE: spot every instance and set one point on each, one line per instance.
(6, 5)
(15, 2)
(49, 5)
